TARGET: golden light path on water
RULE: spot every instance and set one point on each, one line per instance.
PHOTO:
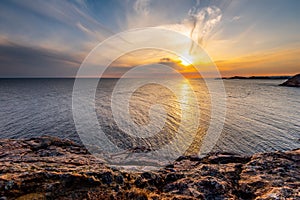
(140, 104)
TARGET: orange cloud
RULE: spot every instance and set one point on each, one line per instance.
(279, 62)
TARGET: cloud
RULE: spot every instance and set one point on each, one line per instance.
(203, 21)
(236, 18)
(23, 61)
(44, 22)
(263, 63)
(165, 60)
(63, 11)
(93, 33)
(175, 64)
(142, 7)
(51, 34)
(198, 25)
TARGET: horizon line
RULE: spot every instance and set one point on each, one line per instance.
(73, 77)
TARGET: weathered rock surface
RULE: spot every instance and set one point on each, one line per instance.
(292, 82)
(50, 168)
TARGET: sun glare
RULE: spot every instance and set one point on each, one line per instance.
(184, 61)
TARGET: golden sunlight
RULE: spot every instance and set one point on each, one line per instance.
(184, 61)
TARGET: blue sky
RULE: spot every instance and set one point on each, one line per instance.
(51, 38)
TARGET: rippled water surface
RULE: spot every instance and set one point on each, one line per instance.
(260, 115)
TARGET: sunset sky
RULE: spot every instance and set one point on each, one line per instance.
(52, 38)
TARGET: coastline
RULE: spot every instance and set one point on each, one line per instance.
(51, 168)
(257, 77)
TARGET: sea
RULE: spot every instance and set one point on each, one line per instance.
(259, 116)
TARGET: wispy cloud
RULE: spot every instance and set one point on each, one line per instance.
(61, 22)
(142, 7)
(63, 11)
(203, 21)
(236, 18)
(198, 25)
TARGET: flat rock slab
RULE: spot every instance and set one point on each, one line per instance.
(51, 168)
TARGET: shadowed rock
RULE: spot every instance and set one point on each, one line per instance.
(50, 168)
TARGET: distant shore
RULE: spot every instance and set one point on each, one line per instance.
(51, 168)
(257, 77)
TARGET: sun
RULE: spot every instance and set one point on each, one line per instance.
(184, 62)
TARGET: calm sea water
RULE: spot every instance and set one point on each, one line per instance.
(260, 115)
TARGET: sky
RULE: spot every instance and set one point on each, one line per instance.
(242, 37)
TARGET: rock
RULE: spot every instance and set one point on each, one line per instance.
(140, 183)
(170, 166)
(226, 158)
(275, 174)
(171, 177)
(106, 178)
(119, 179)
(137, 196)
(147, 175)
(292, 82)
(51, 168)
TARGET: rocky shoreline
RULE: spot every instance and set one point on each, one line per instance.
(51, 168)
(292, 82)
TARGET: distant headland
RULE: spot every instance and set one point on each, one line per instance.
(257, 77)
(292, 82)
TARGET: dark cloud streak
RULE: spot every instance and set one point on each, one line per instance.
(23, 61)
